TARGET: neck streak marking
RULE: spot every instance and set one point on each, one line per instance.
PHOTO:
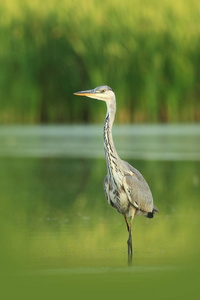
(110, 152)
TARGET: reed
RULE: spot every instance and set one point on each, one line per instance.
(147, 52)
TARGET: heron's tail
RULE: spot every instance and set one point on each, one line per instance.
(150, 214)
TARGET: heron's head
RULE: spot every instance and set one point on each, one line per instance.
(102, 92)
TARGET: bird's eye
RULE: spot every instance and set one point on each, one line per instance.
(103, 91)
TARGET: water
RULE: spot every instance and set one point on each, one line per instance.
(163, 142)
(56, 221)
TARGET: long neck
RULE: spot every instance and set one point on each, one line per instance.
(109, 147)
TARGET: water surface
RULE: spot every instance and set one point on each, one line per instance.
(56, 221)
(157, 142)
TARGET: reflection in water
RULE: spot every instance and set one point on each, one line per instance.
(157, 142)
(55, 214)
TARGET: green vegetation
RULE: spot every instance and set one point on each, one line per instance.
(147, 51)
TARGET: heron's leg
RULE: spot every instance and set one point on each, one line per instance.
(126, 220)
(129, 242)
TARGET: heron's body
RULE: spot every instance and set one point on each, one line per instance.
(125, 187)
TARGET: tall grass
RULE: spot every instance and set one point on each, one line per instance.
(147, 51)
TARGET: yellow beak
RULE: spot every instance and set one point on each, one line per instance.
(88, 93)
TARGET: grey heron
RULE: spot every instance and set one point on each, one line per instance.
(125, 187)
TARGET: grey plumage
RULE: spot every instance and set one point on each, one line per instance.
(125, 187)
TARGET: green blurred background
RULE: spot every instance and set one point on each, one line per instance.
(147, 51)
